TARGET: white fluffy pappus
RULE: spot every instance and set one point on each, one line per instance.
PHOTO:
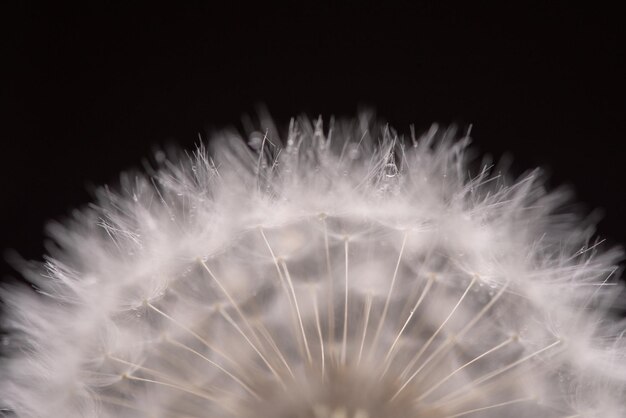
(344, 272)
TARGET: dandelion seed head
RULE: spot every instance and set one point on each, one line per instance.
(343, 271)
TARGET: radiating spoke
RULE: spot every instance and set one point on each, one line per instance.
(445, 379)
(389, 293)
(432, 338)
(230, 320)
(212, 363)
(475, 383)
(295, 302)
(368, 308)
(497, 405)
(345, 305)
(417, 304)
(319, 332)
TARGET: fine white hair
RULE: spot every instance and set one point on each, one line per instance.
(343, 271)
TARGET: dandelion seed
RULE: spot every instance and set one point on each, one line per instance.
(350, 274)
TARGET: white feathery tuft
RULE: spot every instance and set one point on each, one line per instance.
(341, 273)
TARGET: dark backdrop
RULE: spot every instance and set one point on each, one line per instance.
(87, 91)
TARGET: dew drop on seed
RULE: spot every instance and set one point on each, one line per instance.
(256, 140)
(353, 151)
(390, 170)
(159, 156)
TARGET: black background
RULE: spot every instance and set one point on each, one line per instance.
(87, 91)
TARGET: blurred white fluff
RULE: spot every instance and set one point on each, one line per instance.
(343, 272)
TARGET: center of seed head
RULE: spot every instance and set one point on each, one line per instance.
(323, 411)
(341, 393)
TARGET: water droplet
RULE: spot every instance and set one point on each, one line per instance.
(256, 140)
(390, 170)
(353, 151)
(159, 156)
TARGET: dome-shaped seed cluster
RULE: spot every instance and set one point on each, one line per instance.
(344, 272)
